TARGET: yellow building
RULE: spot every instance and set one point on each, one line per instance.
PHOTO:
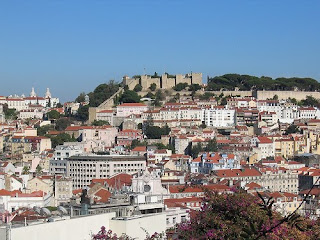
(285, 147)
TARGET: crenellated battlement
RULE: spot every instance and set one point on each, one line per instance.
(165, 81)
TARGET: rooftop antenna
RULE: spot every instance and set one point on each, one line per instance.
(144, 70)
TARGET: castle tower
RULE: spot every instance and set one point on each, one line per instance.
(48, 94)
(33, 93)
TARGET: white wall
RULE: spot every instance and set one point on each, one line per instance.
(137, 227)
(79, 228)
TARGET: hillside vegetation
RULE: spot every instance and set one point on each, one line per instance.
(247, 82)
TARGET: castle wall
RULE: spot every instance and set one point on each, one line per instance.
(132, 82)
(196, 78)
(163, 82)
(167, 82)
(182, 79)
(153, 80)
(299, 95)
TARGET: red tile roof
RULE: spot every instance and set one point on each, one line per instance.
(264, 140)
(139, 149)
(245, 172)
(102, 196)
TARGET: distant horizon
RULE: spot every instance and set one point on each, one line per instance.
(72, 47)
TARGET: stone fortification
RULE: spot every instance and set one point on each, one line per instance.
(164, 81)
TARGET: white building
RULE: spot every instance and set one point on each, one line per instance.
(82, 169)
(265, 147)
(105, 115)
(16, 103)
(58, 165)
(307, 112)
(21, 102)
(126, 109)
(219, 117)
(12, 201)
(30, 114)
(270, 106)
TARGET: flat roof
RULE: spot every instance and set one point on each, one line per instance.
(107, 158)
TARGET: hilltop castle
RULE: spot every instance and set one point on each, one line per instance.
(165, 81)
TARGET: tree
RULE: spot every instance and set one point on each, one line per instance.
(60, 139)
(224, 101)
(25, 170)
(159, 96)
(243, 216)
(38, 169)
(206, 96)
(180, 86)
(59, 105)
(247, 83)
(10, 113)
(130, 97)
(41, 131)
(275, 97)
(310, 101)
(194, 87)
(149, 95)
(294, 101)
(195, 150)
(101, 93)
(155, 132)
(136, 143)
(160, 146)
(100, 123)
(83, 113)
(53, 114)
(292, 129)
(137, 88)
(211, 146)
(153, 86)
(62, 123)
(81, 97)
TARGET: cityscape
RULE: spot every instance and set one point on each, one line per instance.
(160, 148)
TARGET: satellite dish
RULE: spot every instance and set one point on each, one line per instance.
(45, 212)
(147, 188)
(62, 210)
(37, 209)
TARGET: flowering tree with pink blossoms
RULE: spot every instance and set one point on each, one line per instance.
(103, 234)
(243, 216)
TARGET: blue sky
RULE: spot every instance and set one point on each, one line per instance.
(72, 46)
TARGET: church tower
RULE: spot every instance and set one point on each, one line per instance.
(33, 93)
(48, 94)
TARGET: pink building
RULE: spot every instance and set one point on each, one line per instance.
(125, 137)
(126, 109)
(98, 136)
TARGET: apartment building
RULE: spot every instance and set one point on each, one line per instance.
(58, 165)
(272, 179)
(82, 169)
(219, 117)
